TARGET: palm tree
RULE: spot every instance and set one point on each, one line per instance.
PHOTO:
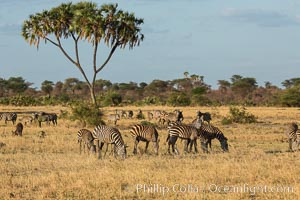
(85, 21)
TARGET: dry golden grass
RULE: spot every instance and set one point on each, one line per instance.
(52, 168)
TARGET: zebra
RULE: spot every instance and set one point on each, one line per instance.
(109, 135)
(113, 118)
(146, 134)
(86, 137)
(45, 117)
(121, 113)
(130, 114)
(9, 116)
(292, 134)
(184, 132)
(41, 118)
(19, 129)
(211, 132)
(140, 114)
(175, 116)
(205, 116)
(26, 119)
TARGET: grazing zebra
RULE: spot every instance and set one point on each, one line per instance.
(41, 118)
(206, 117)
(45, 117)
(19, 129)
(121, 113)
(26, 119)
(140, 115)
(150, 115)
(184, 132)
(146, 134)
(175, 116)
(9, 116)
(109, 135)
(211, 132)
(130, 114)
(292, 134)
(113, 118)
(86, 137)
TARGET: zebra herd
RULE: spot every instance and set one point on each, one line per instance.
(200, 128)
(38, 116)
(102, 134)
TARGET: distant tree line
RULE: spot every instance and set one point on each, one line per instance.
(191, 90)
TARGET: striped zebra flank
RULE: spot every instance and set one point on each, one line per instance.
(185, 132)
(9, 116)
(211, 132)
(293, 136)
(85, 138)
(145, 133)
(109, 135)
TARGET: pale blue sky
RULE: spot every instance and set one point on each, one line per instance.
(213, 38)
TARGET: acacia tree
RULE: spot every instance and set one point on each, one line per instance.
(85, 21)
(47, 87)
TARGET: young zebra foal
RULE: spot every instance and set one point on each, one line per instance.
(146, 134)
(86, 137)
(19, 130)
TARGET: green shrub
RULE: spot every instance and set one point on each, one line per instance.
(111, 98)
(239, 115)
(86, 114)
(178, 99)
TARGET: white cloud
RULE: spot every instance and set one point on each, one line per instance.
(265, 18)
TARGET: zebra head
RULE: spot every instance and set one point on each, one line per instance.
(224, 144)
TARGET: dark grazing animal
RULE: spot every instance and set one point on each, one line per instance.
(45, 117)
(206, 117)
(146, 134)
(19, 129)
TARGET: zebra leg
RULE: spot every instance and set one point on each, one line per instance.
(135, 145)
(146, 148)
(290, 144)
(191, 145)
(204, 147)
(106, 149)
(173, 141)
(80, 147)
(186, 146)
(155, 145)
(195, 146)
(99, 147)
(209, 144)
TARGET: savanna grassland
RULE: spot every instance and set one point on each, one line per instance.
(258, 165)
